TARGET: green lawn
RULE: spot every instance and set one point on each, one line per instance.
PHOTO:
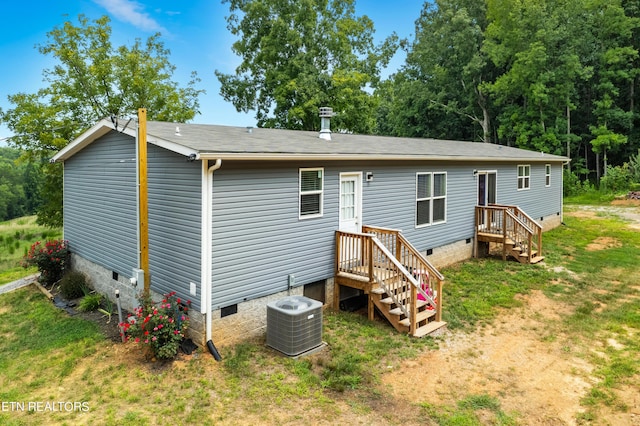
(16, 236)
(46, 355)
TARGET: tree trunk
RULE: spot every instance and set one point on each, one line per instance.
(486, 118)
(568, 136)
(598, 168)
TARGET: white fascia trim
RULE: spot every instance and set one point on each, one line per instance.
(103, 127)
(171, 146)
(100, 129)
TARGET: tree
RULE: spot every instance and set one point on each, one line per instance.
(615, 73)
(92, 80)
(300, 55)
(439, 92)
(13, 202)
(535, 45)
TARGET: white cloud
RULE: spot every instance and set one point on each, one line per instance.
(131, 12)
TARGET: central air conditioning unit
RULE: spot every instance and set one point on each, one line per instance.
(294, 325)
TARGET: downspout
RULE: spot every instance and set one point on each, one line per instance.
(207, 221)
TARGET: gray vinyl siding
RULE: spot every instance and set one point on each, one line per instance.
(100, 203)
(174, 223)
(258, 239)
(100, 217)
(390, 201)
(539, 200)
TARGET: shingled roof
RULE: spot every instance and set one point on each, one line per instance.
(227, 142)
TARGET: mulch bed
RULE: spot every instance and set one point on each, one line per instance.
(108, 326)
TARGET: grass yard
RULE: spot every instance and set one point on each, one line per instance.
(16, 236)
(572, 321)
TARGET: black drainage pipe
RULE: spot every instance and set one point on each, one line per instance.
(214, 351)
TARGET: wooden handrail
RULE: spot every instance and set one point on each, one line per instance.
(364, 254)
(511, 223)
(415, 262)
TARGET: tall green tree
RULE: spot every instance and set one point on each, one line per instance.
(300, 55)
(615, 62)
(92, 80)
(440, 91)
(534, 44)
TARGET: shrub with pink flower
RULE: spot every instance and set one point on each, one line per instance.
(158, 326)
(51, 258)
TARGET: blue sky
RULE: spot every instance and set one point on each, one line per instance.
(193, 30)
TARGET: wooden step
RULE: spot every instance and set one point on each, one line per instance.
(387, 301)
(403, 298)
(420, 316)
(537, 259)
(398, 311)
(429, 328)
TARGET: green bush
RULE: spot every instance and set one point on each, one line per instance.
(574, 186)
(90, 302)
(73, 285)
(617, 179)
(161, 327)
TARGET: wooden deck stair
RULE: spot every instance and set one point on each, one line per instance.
(519, 235)
(425, 317)
(400, 282)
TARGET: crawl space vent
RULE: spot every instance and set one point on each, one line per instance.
(294, 325)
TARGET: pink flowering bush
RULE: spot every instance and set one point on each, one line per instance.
(158, 326)
(51, 258)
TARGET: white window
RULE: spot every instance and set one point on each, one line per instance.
(431, 198)
(311, 192)
(547, 175)
(524, 176)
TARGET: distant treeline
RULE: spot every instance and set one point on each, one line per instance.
(19, 185)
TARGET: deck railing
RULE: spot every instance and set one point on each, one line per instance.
(429, 278)
(536, 229)
(385, 257)
(513, 225)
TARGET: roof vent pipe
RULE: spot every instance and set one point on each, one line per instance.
(325, 123)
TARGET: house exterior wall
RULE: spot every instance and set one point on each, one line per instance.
(259, 240)
(100, 219)
(261, 248)
(100, 215)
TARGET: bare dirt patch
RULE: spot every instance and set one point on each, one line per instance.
(603, 243)
(537, 378)
(628, 210)
(626, 202)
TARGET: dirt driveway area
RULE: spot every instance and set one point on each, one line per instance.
(522, 359)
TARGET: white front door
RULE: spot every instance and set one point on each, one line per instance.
(351, 202)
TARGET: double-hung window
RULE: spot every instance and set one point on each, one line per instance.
(524, 176)
(547, 175)
(311, 192)
(431, 198)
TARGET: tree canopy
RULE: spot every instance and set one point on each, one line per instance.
(300, 55)
(92, 80)
(547, 75)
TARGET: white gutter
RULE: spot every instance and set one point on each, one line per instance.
(206, 251)
(369, 157)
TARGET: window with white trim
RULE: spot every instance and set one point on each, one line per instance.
(547, 175)
(311, 192)
(431, 198)
(524, 176)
